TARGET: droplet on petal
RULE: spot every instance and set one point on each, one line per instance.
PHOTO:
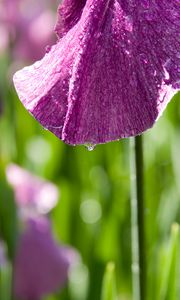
(90, 147)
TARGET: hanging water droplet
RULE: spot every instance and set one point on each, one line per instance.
(48, 48)
(90, 147)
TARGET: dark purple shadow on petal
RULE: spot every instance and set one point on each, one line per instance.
(69, 13)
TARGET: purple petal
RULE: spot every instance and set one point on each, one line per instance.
(33, 36)
(41, 265)
(30, 25)
(69, 13)
(111, 75)
(32, 193)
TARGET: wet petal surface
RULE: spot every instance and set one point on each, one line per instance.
(112, 73)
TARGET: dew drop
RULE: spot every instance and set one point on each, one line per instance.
(90, 147)
(48, 48)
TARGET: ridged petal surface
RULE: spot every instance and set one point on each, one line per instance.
(112, 72)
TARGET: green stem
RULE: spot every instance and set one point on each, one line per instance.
(137, 220)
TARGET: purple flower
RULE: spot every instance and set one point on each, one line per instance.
(27, 25)
(32, 194)
(4, 38)
(41, 266)
(3, 258)
(112, 72)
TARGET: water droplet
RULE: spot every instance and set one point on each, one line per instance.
(127, 52)
(90, 147)
(166, 75)
(48, 48)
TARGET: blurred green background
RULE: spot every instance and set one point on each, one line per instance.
(93, 214)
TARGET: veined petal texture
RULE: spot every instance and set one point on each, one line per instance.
(112, 72)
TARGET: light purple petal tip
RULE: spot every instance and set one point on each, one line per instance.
(112, 73)
(31, 192)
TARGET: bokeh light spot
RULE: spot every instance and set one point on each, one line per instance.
(90, 211)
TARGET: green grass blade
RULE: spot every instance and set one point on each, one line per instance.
(109, 290)
(168, 274)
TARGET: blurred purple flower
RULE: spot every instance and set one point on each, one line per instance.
(33, 194)
(27, 25)
(3, 258)
(112, 72)
(4, 38)
(41, 266)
